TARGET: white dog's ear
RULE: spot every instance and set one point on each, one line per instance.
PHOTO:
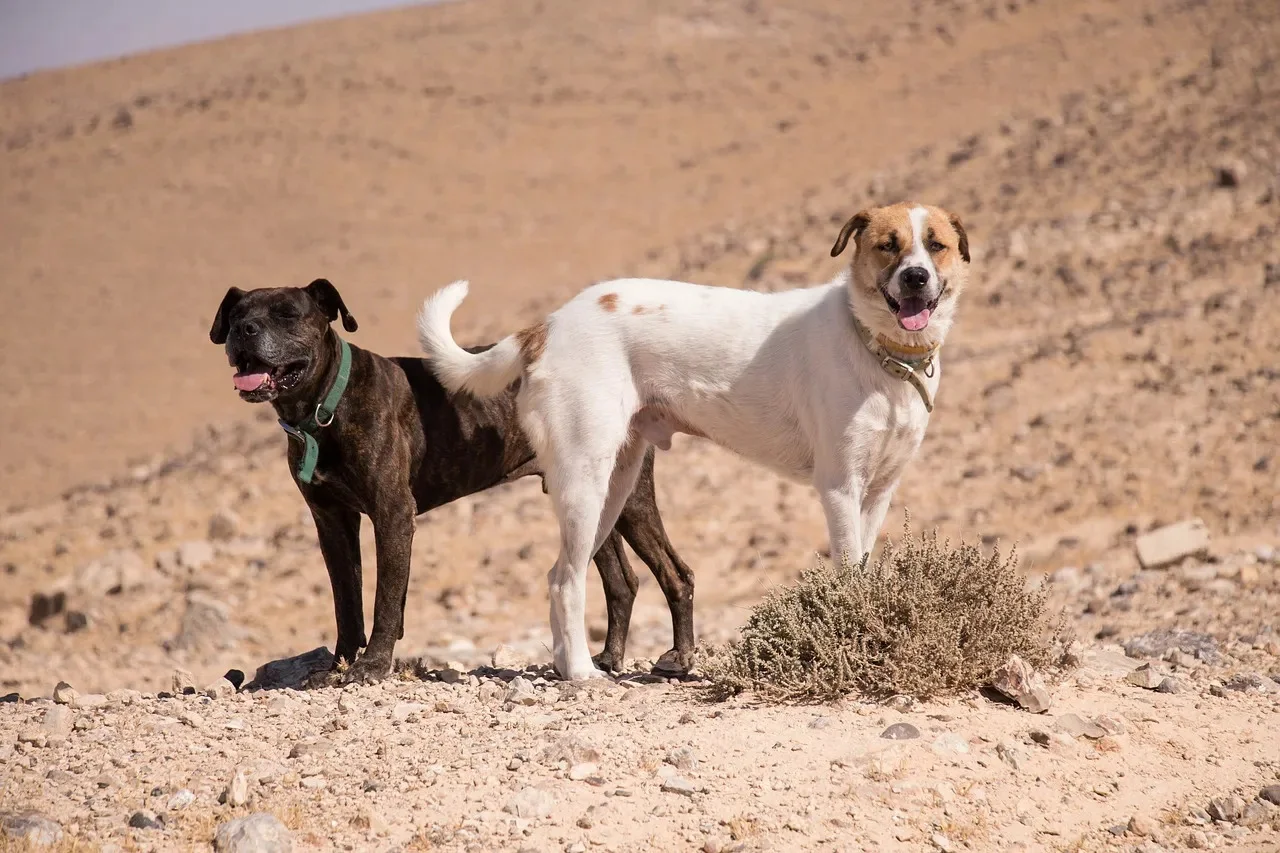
(851, 229)
(964, 238)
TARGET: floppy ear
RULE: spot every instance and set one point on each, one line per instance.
(330, 301)
(964, 238)
(218, 332)
(852, 228)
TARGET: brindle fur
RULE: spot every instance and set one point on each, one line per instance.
(400, 445)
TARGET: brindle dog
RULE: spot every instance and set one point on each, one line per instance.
(399, 445)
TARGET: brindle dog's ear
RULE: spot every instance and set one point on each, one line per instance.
(851, 229)
(330, 301)
(964, 238)
(221, 320)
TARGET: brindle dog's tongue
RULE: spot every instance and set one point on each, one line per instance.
(250, 381)
(913, 313)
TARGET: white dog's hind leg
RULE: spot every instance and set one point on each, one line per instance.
(591, 470)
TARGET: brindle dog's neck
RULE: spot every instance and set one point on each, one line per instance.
(301, 401)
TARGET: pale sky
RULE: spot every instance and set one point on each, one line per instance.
(36, 34)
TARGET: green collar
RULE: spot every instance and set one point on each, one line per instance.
(904, 363)
(325, 411)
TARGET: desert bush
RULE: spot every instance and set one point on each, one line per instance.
(924, 619)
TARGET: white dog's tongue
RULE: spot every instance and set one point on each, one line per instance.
(913, 314)
(250, 381)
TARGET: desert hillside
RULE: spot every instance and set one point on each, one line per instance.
(1116, 166)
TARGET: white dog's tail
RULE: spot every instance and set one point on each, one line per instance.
(483, 374)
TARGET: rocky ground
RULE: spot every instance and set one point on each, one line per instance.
(1109, 376)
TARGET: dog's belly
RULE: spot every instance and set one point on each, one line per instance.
(771, 443)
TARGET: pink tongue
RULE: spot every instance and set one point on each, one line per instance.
(914, 322)
(249, 381)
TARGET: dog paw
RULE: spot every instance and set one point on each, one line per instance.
(366, 670)
(674, 662)
(583, 673)
(607, 662)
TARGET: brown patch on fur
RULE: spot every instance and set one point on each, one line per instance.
(639, 309)
(883, 235)
(532, 342)
(609, 302)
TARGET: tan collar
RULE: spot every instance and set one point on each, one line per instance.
(902, 361)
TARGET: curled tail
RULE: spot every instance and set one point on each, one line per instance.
(482, 374)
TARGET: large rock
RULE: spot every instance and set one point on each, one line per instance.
(1173, 543)
(291, 672)
(1019, 682)
(255, 833)
(113, 573)
(205, 625)
(31, 827)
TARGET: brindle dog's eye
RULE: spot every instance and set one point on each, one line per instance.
(889, 246)
(935, 246)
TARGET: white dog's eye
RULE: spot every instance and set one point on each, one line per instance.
(889, 246)
(935, 246)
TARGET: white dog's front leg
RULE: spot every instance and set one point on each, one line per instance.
(873, 513)
(842, 505)
(570, 651)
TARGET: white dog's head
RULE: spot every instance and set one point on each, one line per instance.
(909, 265)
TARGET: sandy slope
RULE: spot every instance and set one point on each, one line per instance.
(1107, 375)
(532, 151)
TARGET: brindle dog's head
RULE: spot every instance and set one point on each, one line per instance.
(909, 265)
(275, 336)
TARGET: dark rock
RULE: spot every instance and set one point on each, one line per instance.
(236, 677)
(1270, 794)
(291, 672)
(145, 820)
(43, 607)
(1229, 809)
(10, 698)
(32, 827)
(75, 621)
(1157, 644)
(900, 731)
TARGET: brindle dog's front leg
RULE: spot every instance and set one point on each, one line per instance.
(393, 526)
(338, 529)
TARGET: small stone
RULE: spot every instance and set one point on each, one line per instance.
(1077, 726)
(183, 682)
(679, 785)
(315, 783)
(581, 772)
(1019, 682)
(195, 555)
(1227, 809)
(521, 692)
(682, 758)
(237, 792)
(89, 700)
(180, 800)
(505, 657)
(33, 828)
(1173, 543)
(1255, 813)
(1109, 724)
(514, 764)
(145, 820)
(64, 694)
(312, 747)
(405, 712)
(1146, 676)
(1143, 826)
(191, 718)
(576, 847)
(950, 744)
(1270, 794)
(1197, 840)
(1009, 754)
(255, 833)
(531, 803)
(1169, 685)
(1251, 682)
(452, 673)
(58, 721)
(1107, 743)
(942, 842)
(900, 731)
(224, 525)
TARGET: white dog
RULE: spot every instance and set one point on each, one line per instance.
(831, 385)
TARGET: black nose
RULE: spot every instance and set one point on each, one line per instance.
(251, 328)
(914, 278)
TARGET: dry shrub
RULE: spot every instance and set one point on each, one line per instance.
(923, 620)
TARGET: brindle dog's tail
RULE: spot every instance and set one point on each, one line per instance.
(483, 374)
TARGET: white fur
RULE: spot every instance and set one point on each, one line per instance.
(780, 378)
